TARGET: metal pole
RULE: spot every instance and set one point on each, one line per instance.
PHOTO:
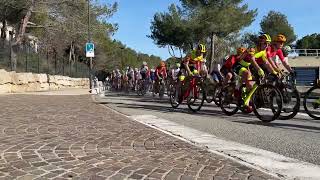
(89, 39)
(26, 51)
(38, 64)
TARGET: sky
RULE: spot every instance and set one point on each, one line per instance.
(134, 19)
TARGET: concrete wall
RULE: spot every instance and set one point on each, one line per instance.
(12, 82)
(304, 61)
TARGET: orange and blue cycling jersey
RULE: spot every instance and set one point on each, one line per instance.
(161, 71)
(272, 52)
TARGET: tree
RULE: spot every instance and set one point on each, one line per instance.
(309, 42)
(171, 29)
(218, 18)
(277, 23)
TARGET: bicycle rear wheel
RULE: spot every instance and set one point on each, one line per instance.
(310, 104)
(291, 102)
(267, 103)
(228, 100)
(210, 93)
(196, 98)
(174, 96)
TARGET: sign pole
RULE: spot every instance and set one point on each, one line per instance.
(89, 38)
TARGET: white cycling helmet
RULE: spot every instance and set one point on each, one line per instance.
(145, 63)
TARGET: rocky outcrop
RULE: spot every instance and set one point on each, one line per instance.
(12, 82)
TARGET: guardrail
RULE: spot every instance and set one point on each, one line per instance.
(305, 52)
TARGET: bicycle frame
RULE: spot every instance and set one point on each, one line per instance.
(192, 86)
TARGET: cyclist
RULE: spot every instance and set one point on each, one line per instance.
(261, 56)
(226, 69)
(130, 74)
(161, 75)
(175, 72)
(276, 50)
(137, 77)
(118, 77)
(145, 74)
(192, 62)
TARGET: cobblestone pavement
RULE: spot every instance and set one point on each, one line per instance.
(70, 137)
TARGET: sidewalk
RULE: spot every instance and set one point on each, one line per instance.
(71, 137)
(61, 92)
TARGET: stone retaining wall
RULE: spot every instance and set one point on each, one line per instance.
(12, 82)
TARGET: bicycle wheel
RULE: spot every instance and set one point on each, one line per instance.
(217, 95)
(210, 93)
(174, 96)
(228, 100)
(310, 102)
(196, 98)
(291, 102)
(161, 90)
(267, 103)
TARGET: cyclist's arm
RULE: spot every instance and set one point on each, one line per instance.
(263, 55)
(186, 65)
(285, 63)
(255, 64)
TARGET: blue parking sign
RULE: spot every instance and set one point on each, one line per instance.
(89, 50)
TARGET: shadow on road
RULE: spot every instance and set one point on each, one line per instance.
(297, 127)
(165, 107)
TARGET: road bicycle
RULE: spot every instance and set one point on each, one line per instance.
(141, 87)
(265, 99)
(158, 87)
(290, 95)
(191, 89)
(311, 101)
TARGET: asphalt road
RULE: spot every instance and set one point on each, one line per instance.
(297, 138)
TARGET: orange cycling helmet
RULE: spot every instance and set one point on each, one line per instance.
(202, 48)
(281, 38)
(241, 50)
(162, 64)
(265, 37)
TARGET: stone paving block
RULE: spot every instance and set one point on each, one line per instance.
(74, 138)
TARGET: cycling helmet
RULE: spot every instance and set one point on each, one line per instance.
(144, 63)
(202, 48)
(178, 65)
(281, 38)
(241, 50)
(265, 37)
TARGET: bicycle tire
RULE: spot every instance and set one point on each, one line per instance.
(210, 93)
(296, 107)
(256, 104)
(173, 102)
(203, 93)
(216, 96)
(306, 96)
(223, 97)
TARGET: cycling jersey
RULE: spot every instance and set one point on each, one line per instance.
(272, 53)
(243, 64)
(161, 71)
(230, 62)
(261, 57)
